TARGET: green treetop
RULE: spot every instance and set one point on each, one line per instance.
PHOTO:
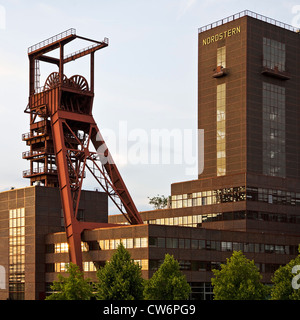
(74, 287)
(285, 279)
(167, 283)
(238, 279)
(120, 278)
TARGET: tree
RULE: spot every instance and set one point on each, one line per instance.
(238, 279)
(74, 287)
(159, 202)
(120, 279)
(167, 283)
(284, 279)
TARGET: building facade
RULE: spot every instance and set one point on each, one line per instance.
(27, 215)
(246, 198)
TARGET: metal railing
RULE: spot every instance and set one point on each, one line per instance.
(80, 51)
(85, 49)
(52, 39)
(27, 154)
(30, 172)
(30, 135)
(249, 14)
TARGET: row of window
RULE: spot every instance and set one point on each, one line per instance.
(129, 243)
(88, 266)
(235, 194)
(107, 244)
(197, 220)
(16, 278)
(63, 247)
(209, 197)
(251, 215)
(186, 221)
(153, 265)
(188, 265)
(181, 243)
(221, 129)
(273, 196)
(220, 245)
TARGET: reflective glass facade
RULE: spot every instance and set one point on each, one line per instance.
(221, 57)
(17, 254)
(274, 159)
(221, 129)
(273, 54)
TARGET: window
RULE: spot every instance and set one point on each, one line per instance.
(221, 129)
(143, 263)
(17, 254)
(201, 244)
(129, 243)
(169, 242)
(194, 244)
(273, 54)
(152, 242)
(221, 57)
(226, 246)
(181, 243)
(187, 243)
(137, 242)
(273, 130)
(161, 242)
(184, 265)
(172, 243)
(88, 266)
(144, 242)
(61, 247)
(60, 266)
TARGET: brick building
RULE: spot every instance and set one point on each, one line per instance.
(246, 198)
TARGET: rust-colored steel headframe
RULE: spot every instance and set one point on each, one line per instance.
(62, 130)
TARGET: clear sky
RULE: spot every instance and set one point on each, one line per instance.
(146, 79)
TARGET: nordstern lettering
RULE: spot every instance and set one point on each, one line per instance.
(222, 35)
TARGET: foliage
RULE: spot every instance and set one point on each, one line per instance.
(74, 287)
(159, 202)
(282, 279)
(167, 283)
(120, 279)
(238, 279)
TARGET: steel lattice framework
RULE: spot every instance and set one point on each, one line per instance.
(62, 134)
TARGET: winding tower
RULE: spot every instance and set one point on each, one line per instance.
(63, 133)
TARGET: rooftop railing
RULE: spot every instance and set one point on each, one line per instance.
(249, 14)
(53, 39)
(85, 49)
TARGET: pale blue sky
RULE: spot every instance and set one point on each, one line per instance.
(146, 77)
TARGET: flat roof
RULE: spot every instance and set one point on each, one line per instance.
(249, 14)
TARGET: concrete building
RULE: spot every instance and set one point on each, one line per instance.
(246, 198)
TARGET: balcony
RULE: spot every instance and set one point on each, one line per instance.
(38, 171)
(36, 154)
(31, 135)
(31, 154)
(219, 72)
(41, 171)
(275, 73)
